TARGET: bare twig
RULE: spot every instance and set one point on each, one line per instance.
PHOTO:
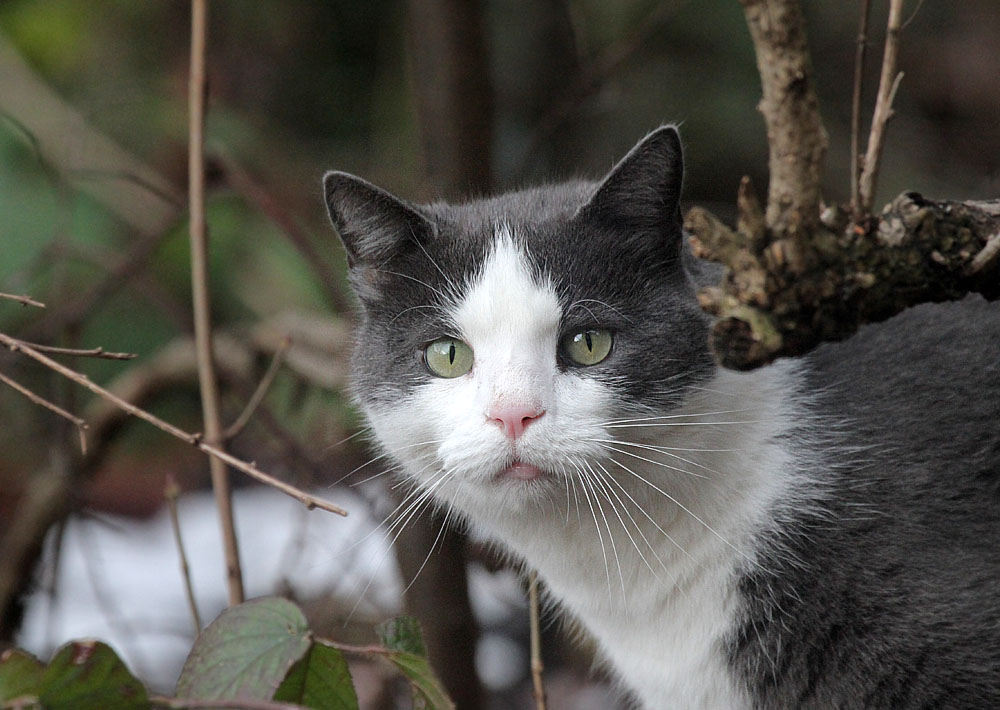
(536, 642)
(23, 300)
(795, 134)
(888, 83)
(258, 395)
(195, 440)
(81, 425)
(99, 353)
(202, 302)
(170, 493)
(859, 73)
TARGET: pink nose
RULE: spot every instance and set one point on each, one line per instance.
(514, 419)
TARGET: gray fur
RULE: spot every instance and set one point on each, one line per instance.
(880, 593)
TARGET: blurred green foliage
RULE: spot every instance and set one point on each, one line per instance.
(300, 86)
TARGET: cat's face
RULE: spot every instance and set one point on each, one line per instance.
(501, 341)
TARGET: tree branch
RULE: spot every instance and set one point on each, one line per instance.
(917, 250)
(81, 425)
(194, 439)
(258, 395)
(170, 493)
(23, 300)
(197, 89)
(888, 83)
(99, 353)
(859, 73)
(536, 642)
(795, 133)
(818, 277)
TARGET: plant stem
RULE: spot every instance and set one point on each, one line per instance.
(536, 641)
(202, 302)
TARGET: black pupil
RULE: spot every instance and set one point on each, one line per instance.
(451, 353)
(590, 343)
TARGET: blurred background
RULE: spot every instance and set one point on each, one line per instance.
(430, 99)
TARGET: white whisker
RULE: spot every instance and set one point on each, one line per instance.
(682, 507)
(678, 415)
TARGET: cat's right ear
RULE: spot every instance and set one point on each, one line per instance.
(373, 224)
(642, 193)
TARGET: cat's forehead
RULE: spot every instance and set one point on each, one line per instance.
(533, 206)
(507, 296)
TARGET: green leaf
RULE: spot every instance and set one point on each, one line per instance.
(246, 652)
(88, 675)
(427, 689)
(320, 680)
(407, 652)
(402, 634)
(20, 674)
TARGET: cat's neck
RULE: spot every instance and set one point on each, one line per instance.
(650, 559)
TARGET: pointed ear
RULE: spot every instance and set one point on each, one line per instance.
(373, 224)
(642, 192)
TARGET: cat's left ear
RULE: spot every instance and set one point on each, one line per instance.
(373, 224)
(642, 192)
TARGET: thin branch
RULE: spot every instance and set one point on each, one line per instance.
(170, 493)
(98, 353)
(23, 300)
(795, 134)
(194, 439)
(859, 72)
(258, 395)
(81, 425)
(202, 302)
(536, 642)
(888, 83)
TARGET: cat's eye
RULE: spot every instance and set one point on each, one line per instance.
(587, 347)
(448, 357)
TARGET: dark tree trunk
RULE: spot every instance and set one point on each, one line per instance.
(454, 99)
(453, 93)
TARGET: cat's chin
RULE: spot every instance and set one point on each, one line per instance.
(521, 471)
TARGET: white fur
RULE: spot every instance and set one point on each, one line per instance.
(657, 596)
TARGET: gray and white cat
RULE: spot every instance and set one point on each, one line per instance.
(821, 533)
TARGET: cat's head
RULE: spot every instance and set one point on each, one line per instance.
(502, 340)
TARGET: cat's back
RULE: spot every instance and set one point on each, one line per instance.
(889, 589)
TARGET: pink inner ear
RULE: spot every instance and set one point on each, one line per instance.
(514, 419)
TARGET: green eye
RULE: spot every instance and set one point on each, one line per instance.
(448, 357)
(587, 347)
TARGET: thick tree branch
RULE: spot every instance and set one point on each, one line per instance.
(779, 301)
(800, 277)
(795, 133)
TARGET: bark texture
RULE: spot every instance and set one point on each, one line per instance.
(783, 297)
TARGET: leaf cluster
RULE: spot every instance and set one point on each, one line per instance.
(259, 655)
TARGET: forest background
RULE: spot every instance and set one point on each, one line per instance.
(416, 97)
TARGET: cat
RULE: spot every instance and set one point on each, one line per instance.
(823, 532)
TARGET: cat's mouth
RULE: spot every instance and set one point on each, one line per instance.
(521, 471)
